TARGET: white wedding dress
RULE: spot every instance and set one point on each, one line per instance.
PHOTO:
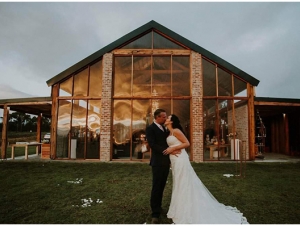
(191, 201)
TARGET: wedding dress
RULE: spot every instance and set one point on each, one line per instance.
(191, 201)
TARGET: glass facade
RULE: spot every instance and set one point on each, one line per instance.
(78, 122)
(146, 83)
(222, 94)
(143, 82)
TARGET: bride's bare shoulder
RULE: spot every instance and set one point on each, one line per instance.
(177, 131)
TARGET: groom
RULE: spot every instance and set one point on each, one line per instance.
(156, 135)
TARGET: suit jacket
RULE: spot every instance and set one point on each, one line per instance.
(157, 140)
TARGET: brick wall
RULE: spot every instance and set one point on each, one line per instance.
(241, 125)
(197, 109)
(106, 116)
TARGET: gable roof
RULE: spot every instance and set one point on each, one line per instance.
(147, 27)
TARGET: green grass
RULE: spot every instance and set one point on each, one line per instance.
(20, 151)
(39, 192)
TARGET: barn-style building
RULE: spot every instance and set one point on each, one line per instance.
(101, 106)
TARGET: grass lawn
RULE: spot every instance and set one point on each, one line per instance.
(52, 192)
(20, 151)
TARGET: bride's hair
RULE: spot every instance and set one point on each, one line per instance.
(176, 123)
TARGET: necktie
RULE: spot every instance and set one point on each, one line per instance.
(162, 128)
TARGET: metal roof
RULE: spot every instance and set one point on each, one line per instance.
(290, 101)
(34, 105)
(143, 29)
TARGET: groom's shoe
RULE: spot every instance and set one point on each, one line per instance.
(154, 221)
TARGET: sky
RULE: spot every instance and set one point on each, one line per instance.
(38, 40)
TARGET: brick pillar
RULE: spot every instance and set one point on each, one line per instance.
(106, 116)
(197, 109)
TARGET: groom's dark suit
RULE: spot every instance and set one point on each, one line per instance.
(157, 140)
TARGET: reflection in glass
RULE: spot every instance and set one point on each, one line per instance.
(161, 76)
(93, 129)
(180, 76)
(140, 116)
(65, 88)
(122, 79)
(224, 83)
(144, 42)
(95, 87)
(223, 120)
(63, 128)
(78, 129)
(209, 128)
(240, 87)
(141, 76)
(81, 83)
(238, 128)
(121, 128)
(209, 78)
(160, 103)
(160, 42)
(181, 108)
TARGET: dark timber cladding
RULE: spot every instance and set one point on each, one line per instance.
(282, 121)
(143, 29)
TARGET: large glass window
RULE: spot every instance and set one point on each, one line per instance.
(95, 87)
(160, 42)
(87, 82)
(81, 83)
(63, 128)
(224, 83)
(180, 76)
(224, 110)
(78, 124)
(122, 79)
(78, 129)
(152, 40)
(66, 87)
(151, 79)
(93, 129)
(121, 128)
(144, 42)
(161, 76)
(141, 76)
(209, 78)
(240, 87)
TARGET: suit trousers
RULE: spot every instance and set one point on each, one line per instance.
(159, 179)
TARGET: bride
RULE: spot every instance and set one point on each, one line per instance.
(191, 201)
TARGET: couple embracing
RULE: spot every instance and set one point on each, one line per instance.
(191, 201)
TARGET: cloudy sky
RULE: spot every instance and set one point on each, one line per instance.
(40, 40)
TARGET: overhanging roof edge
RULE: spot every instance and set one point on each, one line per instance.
(275, 99)
(23, 100)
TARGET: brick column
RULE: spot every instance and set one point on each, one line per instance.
(197, 109)
(106, 116)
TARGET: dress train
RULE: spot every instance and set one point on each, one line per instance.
(192, 202)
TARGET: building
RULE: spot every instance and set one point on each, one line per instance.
(102, 105)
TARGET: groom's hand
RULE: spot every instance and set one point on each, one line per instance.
(176, 152)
